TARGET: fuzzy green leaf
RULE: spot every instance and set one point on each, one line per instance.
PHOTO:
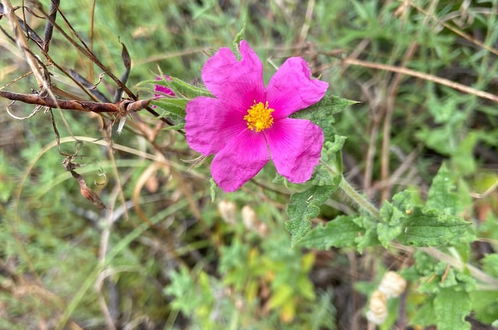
(340, 232)
(429, 227)
(485, 305)
(304, 206)
(391, 225)
(322, 113)
(369, 237)
(442, 195)
(331, 157)
(490, 264)
(451, 307)
(182, 88)
(171, 106)
(424, 316)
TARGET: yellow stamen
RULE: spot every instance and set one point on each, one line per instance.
(259, 117)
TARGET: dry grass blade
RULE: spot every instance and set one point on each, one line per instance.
(456, 30)
(425, 76)
(23, 44)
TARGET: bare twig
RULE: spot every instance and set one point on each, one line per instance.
(89, 86)
(425, 76)
(49, 28)
(121, 107)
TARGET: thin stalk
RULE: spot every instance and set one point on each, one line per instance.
(358, 198)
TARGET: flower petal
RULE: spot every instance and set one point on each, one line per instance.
(163, 90)
(291, 88)
(241, 159)
(209, 123)
(240, 82)
(295, 146)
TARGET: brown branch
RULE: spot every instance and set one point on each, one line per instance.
(49, 28)
(87, 106)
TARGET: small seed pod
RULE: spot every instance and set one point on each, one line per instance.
(228, 211)
(377, 309)
(392, 285)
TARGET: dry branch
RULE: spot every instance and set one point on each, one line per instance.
(121, 107)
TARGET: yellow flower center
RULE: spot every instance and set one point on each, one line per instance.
(259, 117)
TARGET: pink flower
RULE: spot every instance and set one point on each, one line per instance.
(246, 124)
(162, 91)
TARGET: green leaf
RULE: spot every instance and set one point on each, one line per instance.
(176, 127)
(240, 35)
(391, 225)
(442, 195)
(304, 206)
(340, 232)
(463, 158)
(425, 316)
(331, 157)
(451, 307)
(490, 264)
(428, 227)
(485, 305)
(182, 88)
(369, 238)
(438, 139)
(171, 106)
(407, 199)
(322, 113)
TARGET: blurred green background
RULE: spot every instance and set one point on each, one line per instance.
(172, 251)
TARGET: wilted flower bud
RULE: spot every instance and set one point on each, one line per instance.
(251, 222)
(228, 211)
(249, 217)
(377, 309)
(392, 285)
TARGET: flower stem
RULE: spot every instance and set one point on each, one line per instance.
(357, 198)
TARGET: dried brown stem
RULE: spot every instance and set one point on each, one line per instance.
(49, 28)
(121, 107)
(425, 76)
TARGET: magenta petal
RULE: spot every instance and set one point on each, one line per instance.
(291, 88)
(240, 82)
(163, 90)
(209, 124)
(241, 159)
(295, 146)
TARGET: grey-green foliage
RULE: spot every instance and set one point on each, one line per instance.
(306, 205)
(322, 113)
(439, 223)
(405, 220)
(431, 228)
(442, 194)
(450, 308)
(341, 232)
(303, 207)
(331, 159)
